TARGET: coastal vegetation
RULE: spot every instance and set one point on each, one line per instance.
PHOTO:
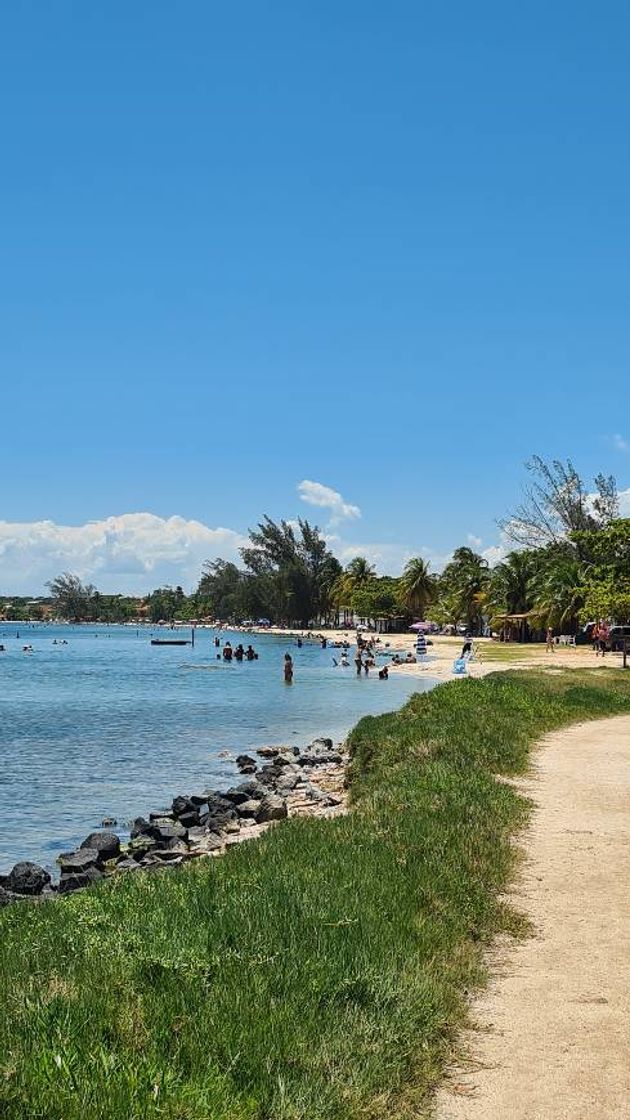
(570, 564)
(322, 971)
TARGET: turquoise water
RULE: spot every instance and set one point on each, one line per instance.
(109, 725)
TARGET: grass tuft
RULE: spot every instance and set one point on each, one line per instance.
(320, 972)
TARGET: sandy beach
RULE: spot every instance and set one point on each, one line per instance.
(489, 656)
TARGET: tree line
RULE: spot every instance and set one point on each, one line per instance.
(570, 563)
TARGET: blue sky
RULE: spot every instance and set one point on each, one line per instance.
(382, 248)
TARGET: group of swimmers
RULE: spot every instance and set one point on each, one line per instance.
(239, 654)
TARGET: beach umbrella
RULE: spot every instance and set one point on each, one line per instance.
(420, 626)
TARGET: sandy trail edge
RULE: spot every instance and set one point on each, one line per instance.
(553, 1029)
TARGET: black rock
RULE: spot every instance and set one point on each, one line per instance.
(251, 787)
(246, 763)
(249, 808)
(216, 821)
(268, 752)
(127, 864)
(326, 743)
(165, 834)
(198, 798)
(271, 808)
(109, 822)
(191, 819)
(107, 844)
(162, 815)
(181, 805)
(167, 855)
(27, 878)
(82, 879)
(6, 897)
(235, 796)
(139, 827)
(218, 803)
(75, 863)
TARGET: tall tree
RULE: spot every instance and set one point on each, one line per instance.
(72, 598)
(299, 569)
(557, 503)
(510, 588)
(417, 586)
(463, 585)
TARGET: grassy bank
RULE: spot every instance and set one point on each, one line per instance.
(319, 973)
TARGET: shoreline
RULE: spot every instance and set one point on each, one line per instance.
(79, 870)
(280, 783)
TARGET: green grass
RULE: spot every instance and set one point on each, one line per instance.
(319, 973)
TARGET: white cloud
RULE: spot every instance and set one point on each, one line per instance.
(474, 541)
(624, 503)
(620, 443)
(316, 494)
(132, 553)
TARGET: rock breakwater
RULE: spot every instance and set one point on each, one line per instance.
(281, 782)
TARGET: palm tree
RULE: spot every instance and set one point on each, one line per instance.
(417, 586)
(357, 574)
(559, 590)
(466, 577)
(510, 590)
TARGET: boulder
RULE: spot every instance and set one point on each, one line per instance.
(109, 822)
(139, 827)
(74, 863)
(166, 834)
(288, 782)
(168, 855)
(246, 764)
(249, 809)
(212, 842)
(182, 804)
(27, 878)
(127, 864)
(6, 897)
(87, 878)
(217, 803)
(252, 787)
(162, 830)
(271, 808)
(162, 815)
(139, 846)
(327, 744)
(268, 752)
(107, 844)
(191, 819)
(218, 821)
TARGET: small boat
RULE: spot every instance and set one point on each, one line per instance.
(170, 641)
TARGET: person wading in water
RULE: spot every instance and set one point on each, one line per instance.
(288, 669)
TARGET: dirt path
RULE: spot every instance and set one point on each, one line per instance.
(553, 1037)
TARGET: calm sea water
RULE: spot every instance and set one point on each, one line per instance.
(109, 725)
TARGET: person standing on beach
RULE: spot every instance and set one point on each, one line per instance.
(288, 669)
(602, 638)
(551, 645)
